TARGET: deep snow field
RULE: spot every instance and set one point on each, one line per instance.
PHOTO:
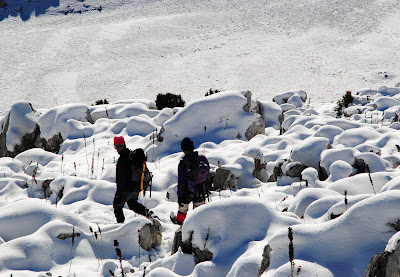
(338, 223)
(121, 49)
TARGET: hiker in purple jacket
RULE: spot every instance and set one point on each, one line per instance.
(190, 190)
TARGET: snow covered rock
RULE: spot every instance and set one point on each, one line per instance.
(339, 170)
(385, 102)
(211, 119)
(329, 132)
(294, 169)
(346, 234)
(306, 196)
(301, 268)
(121, 110)
(386, 91)
(367, 92)
(309, 151)
(209, 226)
(329, 156)
(361, 183)
(282, 98)
(25, 128)
(18, 129)
(275, 170)
(271, 113)
(172, 193)
(373, 161)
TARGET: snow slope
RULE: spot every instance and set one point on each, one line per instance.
(118, 49)
(338, 223)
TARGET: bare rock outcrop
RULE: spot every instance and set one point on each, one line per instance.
(224, 179)
(150, 235)
(188, 248)
(384, 264)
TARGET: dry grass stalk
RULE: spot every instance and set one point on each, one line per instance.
(72, 247)
(119, 254)
(370, 178)
(291, 251)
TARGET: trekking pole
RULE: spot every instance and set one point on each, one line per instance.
(151, 185)
(87, 160)
(109, 124)
(204, 141)
(152, 141)
(206, 193)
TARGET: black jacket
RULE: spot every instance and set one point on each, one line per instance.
(124, 172)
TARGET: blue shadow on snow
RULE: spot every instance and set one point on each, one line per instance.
(25, 8)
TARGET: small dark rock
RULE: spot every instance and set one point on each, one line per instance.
(68, 235)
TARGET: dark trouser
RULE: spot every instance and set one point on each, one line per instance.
(131, 198)
(198, 199)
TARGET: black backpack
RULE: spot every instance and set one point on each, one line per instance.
(141, 176)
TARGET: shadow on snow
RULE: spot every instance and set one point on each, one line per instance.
(25, 8)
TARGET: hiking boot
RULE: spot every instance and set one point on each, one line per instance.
(151, 215)
(175, 221)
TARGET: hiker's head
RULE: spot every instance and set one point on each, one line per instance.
(187, 145)
(119, 143)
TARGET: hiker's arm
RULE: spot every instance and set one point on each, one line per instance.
(182, 181)
(206, 161)
(123, 174)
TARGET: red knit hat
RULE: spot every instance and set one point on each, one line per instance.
(119, 141)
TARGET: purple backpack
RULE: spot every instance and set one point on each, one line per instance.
(196, 173)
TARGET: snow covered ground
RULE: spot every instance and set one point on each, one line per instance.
(338, 222)
(63, 55)
(118, 49)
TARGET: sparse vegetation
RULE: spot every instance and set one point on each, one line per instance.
(212, 91)
(370, 178)
(343, 103)
(169, 100)
(291, 251)
(119, 254)
(101, 102)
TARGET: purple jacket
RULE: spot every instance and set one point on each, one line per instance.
(182, 178)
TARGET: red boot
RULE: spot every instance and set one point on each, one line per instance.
(180, 217)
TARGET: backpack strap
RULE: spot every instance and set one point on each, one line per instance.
(188, 164)
(141, 179)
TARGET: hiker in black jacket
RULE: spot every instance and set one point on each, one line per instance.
(127, 192)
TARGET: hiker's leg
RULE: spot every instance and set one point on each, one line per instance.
(135, 206)
(198, 200)
(183, 207)
(118, 205)
(197, 204)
